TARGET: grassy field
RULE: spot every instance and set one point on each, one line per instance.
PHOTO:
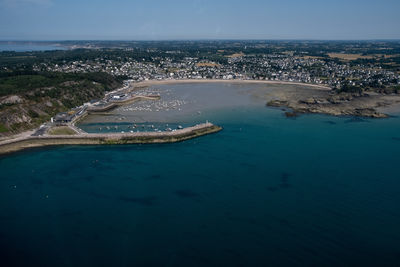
(309, 57)
(241, 54)
(3, 129)
(349, 56)
(62, 130)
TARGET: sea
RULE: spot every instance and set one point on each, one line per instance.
(28, 46)
(267, 190)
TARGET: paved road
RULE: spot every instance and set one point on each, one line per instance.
(41, 131)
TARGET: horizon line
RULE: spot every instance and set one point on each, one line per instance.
(195, 39)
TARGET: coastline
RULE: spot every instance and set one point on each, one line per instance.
(306, 98)
(301, 98)
(236, 81)
(25, 142)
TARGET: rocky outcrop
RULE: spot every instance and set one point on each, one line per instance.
(277, 103)
(291, 114)
(343, 104)
(368, 112)
(12, 99)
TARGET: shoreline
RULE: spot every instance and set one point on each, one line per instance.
(14, 145)
(237, 81)
(304, 99)
(309, 98)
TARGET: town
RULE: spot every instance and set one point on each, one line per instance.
(342, 70)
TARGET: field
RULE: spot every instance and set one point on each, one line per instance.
(349, 56)
(309, 57)
(63, 130)
(3, 129)
(241, 54)
(207, 64)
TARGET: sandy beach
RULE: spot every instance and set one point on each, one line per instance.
(159, 82)
(308, 98)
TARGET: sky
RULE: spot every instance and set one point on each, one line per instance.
(199, 19)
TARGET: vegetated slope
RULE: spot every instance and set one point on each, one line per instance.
(29, 98)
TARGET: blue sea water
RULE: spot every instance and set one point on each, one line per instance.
(266, 191)
(27, 47)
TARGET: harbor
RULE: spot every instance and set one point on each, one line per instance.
(121, 121)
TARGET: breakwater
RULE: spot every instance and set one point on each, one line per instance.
(116, 103)
(109, 139)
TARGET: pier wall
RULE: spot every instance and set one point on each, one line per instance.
(109, 139)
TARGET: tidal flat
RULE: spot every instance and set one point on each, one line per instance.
(188, 102)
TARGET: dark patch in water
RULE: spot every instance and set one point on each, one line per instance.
(272, 188)
(285, 177)
(285, 185)
(70, 213)
(137, 162)
(95, 237)
(36, 181)
(78, 235)
(355, 120)
(61, 182)
(233, 252)
(284, 222)
(396, 138)
(7, 218)
(330, 122)
(98, 195)
(186, 193)
(88, 178)
(203, 226)
(64, 172)
(154, 177)
(245, 220)
(144, 201)
(203, 176)
(104, 167)
(248, 165)
(285, 180)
